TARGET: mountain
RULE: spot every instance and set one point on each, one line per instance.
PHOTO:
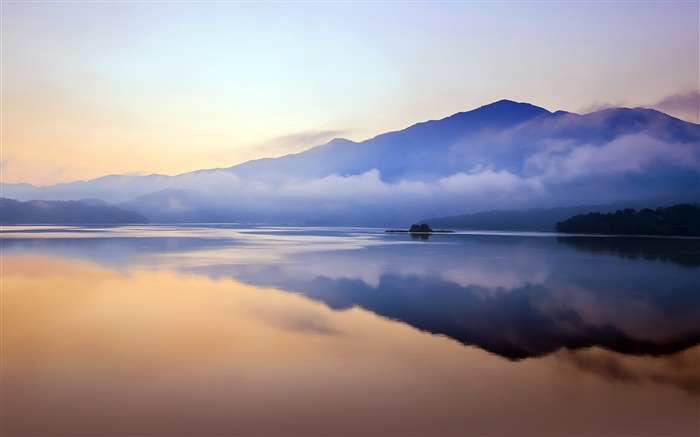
(64, 212)
(505, 155)
(425, 151)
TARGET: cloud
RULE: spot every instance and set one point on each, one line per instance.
(685, 106)
(354, 199)
(297, 142)
(598, 106)
(176, 205)
(481, 181)
(369, 185)
(562, 162)
(482, 187)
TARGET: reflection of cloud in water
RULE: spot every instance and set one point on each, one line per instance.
(461, 261)
(517, 295)
(681, 370)
(91, 351)
(489, 272)
(159, 353)
(634, 314)
(312, 322)
(521, 322)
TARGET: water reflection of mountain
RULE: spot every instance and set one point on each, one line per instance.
(527, 321)
(683, 251)
(516, 296)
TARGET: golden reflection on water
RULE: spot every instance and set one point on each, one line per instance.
(91, 351)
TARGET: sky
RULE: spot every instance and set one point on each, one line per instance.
(96, 88)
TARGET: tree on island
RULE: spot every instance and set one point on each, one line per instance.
(420, 228)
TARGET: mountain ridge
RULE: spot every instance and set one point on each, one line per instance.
(505, 155)
(86, 211)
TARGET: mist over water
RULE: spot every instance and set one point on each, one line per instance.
(232, 330)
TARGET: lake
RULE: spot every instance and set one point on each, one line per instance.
(212, 330)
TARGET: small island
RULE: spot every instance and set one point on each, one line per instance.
(419, 229)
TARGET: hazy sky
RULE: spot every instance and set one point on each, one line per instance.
(91, 88)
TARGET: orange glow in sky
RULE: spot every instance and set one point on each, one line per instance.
(94, 88)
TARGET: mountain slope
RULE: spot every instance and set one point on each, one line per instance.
(505, 155)
(501, 135)
(64, 212)
(421, 151)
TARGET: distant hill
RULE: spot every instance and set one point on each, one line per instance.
(64, 212)
(677, 220)
(537, 219)
(502, 156)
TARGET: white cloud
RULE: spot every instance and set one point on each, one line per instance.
(627, 154)
(479, 182)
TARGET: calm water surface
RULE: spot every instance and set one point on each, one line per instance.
(224, 330)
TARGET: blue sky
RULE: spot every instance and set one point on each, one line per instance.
(91, 88)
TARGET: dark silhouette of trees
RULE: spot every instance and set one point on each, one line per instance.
(678, 220)
(420, 228)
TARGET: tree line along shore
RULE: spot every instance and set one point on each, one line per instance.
(677, 220)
